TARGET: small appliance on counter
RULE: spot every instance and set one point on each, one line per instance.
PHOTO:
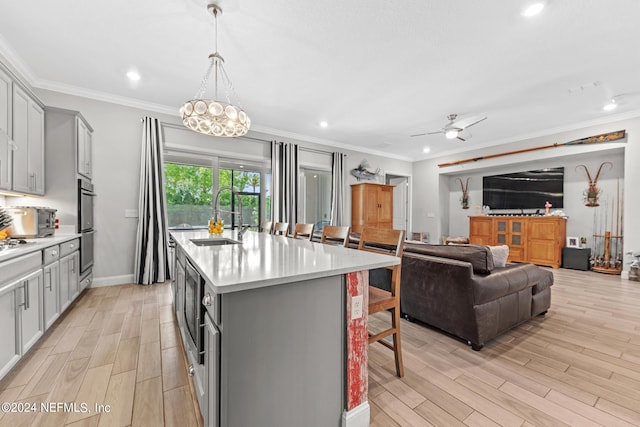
(31, 222)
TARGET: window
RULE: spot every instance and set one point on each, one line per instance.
(315, 188)
(247, 183)
(189, 194)
(190, 190)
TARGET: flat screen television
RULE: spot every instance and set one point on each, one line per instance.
(524, 190)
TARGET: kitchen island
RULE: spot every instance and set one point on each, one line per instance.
(268, 328)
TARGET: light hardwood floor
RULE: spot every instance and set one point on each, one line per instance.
(580, 365)
(117, 346)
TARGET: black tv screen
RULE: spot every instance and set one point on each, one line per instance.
(524, 190)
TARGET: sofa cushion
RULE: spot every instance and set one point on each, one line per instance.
(479, 256)
(500, 255)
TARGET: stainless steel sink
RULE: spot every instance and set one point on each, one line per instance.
(215, 241)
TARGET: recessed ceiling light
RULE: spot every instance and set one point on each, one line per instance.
(533, 9)
(426, 149)
(323, 124)
(133, 75)
(610, 106)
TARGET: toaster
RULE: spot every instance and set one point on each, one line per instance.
(31, 221)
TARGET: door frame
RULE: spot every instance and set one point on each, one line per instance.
(390, 174)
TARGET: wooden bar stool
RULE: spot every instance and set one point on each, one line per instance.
(281, 228)
(266, 227)
(335, 235)
(303, 231)
(389, 242)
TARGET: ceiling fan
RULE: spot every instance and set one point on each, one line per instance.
(452, 129)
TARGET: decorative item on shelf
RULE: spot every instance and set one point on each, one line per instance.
(547, 206)
(212, 116)
(215, 227)
(592, 193)
(572, 242)
(465, 193)
(361, 172)
(583, 242)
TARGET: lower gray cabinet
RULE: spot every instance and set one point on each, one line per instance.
(29, 309)
(51, 294)
(9, 350)
(211, 412)
(69, 279)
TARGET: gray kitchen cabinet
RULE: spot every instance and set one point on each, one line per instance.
(28, 136)
(69, 279)
(30, 309)
(51, 288)
(180, 281)
(211, 411)
(84, 138)
(5, 131)
(27, 309)
(9, 350)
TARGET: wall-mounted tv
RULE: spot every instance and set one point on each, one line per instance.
(524, 190)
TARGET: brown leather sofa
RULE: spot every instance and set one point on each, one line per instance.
(457, 288)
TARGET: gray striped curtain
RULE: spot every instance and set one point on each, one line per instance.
(338, 189)
(284, 176)
(151, 260)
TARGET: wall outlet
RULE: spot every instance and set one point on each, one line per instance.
(356, 307)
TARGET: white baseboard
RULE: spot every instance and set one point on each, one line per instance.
(625, 274)
(112, 280)
(357, 417)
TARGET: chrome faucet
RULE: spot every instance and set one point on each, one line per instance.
(242, 228)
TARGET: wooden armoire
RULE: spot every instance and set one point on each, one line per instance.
(371, 206)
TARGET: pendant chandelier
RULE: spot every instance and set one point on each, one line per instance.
(213, 116)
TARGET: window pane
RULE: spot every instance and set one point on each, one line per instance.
(247, 183)
(317, 197)
(189, 198)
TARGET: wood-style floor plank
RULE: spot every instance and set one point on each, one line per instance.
(578, 365)
(106, 350)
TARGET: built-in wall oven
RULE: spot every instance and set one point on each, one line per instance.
(194, 311)
(86, 198)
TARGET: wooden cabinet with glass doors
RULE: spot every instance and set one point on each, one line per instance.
(534, 239)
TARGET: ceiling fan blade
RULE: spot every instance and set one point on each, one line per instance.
(470, 122)
(461, 139)
(419, 134)
(435, 131)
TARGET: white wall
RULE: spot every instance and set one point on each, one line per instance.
(436, 191)
(116, 168)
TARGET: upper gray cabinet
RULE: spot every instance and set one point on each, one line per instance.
(5, 131)
(28, 136)
(84, 136)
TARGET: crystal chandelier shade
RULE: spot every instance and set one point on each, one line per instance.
(213, 116)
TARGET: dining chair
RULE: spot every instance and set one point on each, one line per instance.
(266, 227)
(335, 235)
(281, 228)
(389, 242)
(303, 231)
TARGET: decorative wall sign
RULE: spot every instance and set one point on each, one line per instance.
(592, 193)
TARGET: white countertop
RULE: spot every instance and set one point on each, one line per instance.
(265, 260)
(34, 245)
